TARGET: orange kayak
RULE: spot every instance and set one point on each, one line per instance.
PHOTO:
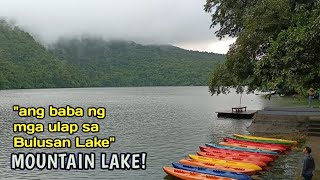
(229, 158)
(235, 144)
(188, 175)
(236, 155)
(192, 162)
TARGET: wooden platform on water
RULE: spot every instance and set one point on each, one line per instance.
(237, 115)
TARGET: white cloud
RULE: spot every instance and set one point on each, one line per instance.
(143, 21)
(220, 47)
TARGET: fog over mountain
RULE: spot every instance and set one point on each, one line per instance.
(180, 22)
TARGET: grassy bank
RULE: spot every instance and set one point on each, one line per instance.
(290, 101)
(298, 101)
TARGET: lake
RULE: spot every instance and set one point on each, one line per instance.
(167, 123)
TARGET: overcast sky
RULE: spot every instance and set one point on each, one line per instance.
(183, 23)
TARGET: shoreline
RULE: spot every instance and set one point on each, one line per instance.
(285, 120)
(293, 124)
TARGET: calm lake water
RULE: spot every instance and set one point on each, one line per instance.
(166, 122)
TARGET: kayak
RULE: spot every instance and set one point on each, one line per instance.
(213, 172)
(265, 139)
(228, 158)
(225, 162)
(241, 149)
(273, 156)
(192, 162)
(187, 175)
(237, 154)
(236, 144)
(248, 142)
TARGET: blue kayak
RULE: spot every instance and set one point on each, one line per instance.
(212, 171)
(241, 149)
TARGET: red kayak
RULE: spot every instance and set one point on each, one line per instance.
(280, 146)
(239, 145)
(259, 157)
(230, 158)
(210, 149)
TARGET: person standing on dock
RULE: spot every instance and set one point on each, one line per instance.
(308, 164)
(310, 97)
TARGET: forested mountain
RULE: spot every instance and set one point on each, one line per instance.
(94, 62)
(24, 63)
(122, 63)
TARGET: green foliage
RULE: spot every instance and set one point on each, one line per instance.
(228, 14)
(25, 63)
(122, 63)
(295, 54)
(218, 77)
(276, 47)
(89, 62)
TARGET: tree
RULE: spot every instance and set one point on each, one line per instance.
(276, 46)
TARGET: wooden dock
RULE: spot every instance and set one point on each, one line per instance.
(237, 115)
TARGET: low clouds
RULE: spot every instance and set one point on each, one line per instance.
(176, 22)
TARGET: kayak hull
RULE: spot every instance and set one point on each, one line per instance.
(241, 145)
(192, 162)
(225, 162)
(266, 139)
(237, 154)
(252, 142)
(187, 175)
(213, 172)
(241, 149)
(236, 159)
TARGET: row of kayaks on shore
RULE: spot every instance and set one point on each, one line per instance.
(238, 157)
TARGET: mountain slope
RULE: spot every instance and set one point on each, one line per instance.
(24, 63)
(123, 63)
(94, 62)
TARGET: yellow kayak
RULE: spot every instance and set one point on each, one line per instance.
(225, 162)
(264, 138)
